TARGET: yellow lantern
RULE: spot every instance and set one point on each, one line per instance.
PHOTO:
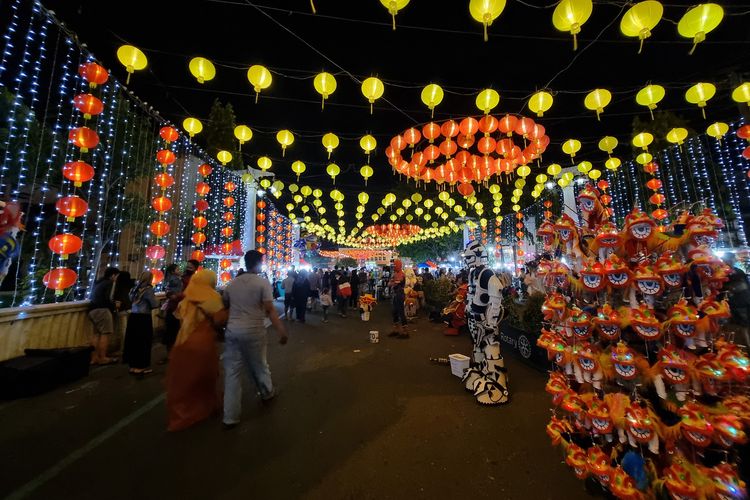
(700, 20)
(717, 130)
(306, 191)
(571, 147)
(368, 144)
(742, 93)
(554, 169)
(699, 94)
(363, 198)
(677, 135)
(264, 163)
(265, 183)
(243, 133)
(613, 163)
(650, 96)
(585, 166)
(202, 69)
(570, 15)
(432, 95)
(372, 88)
(366, 172)
(393, 7)
(325, 85)
(644, 158)
(317, 193)
(523, 170)
(260, 78)
(132, 58)
(333, 170)
(443, 196)
(487, 99)
(192, 126)
(540, 102)
(486, 11)
(640, 19)
(224, 157)
(595, 174)
(541, 179)
(643, 140)
(298, 168)
(597, 100)
(330, 142)
(608, 144)
(285, 138)
(247, 178)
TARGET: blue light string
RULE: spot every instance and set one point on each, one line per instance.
(722, 153)
(8, 36)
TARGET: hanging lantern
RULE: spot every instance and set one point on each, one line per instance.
(228, 216)
(643, 140)
(285, 138)
(333, 170)
(597, 100)
(200, 222)
(198, 255)
(393, 7)
(83, 138)
(169, 134)
(205, 170)
(486, 11)
(93, 73)
(78, 172)
(608, 144)
(613, 163)
(164, 180)
(330, 142)
(372, 89)
(71, 207)
(742, 93)
(325, 85)
(157, 276)
(162, 204)
(59, 279)
(640, 19)
(202, 69)
(243, 133)
(201, 205)
(159, 228)
(700, 94)
(229, 201)
(698, 21)
(230, 186)
(677, 135)
(225, 263)
(570, 15)
(165, 157)
(132, 58)
(224, 157)
(540, 102)
(198, 238)
(571, 147)
(368, 144)
(650, 96)
(264, 163)
(298, 168)
(717, 130)
(65, 244)
(487, 100)
(227, 232)
(155, 252)
(202, 188)
(260, 78)
(432, 95)
(192, 126)
(88, 105)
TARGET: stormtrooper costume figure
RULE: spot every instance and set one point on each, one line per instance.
(487, 377)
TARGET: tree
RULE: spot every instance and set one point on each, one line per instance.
(433, 248)
(663, 122)
(346, 262)
(220, 133)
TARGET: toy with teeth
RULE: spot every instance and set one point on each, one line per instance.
(639, 232)
(671, 269)
(546, 232)
(601, 421)
(617, 271)
(623, 486)
(641, 426)
(588, 368)
(598, 464)
(726, 483)
(557, 429)
(607, 240)
(557, 386)
(728, 431)
(625, 364)
(734, 359)
(592, 276)
(644, 323)
(579, 324)
(575, 458)
(694, 425)
(592, 209)
(682, 319)
(673, 368)
(567, 235)
(647, 282)
(711, 373)
(609, 323)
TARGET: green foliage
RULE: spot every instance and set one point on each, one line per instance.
(663, 122)
(433, 248)
(345, 262)
(219, 134)
(438, 293)
(527, 315)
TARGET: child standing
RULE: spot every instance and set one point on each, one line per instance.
(325, 302)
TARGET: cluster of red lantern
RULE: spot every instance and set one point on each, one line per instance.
(279, 242)
(201, 205)
(260, 226)
(656, 198)
(744, 133)
(466, 151)
(77, 172)
(393, 233)
(519, 234)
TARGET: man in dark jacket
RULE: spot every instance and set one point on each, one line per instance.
(101, 307)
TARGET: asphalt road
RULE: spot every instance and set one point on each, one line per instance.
(353, 420)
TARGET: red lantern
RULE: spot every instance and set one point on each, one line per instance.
(507, 124)
(225, 263)
(260, 228)
(200, 222)
(59, 279)
(519, 215)
(261, 204)
(657, 199)
(205, 170)
(65, 244)
(84, 138)
(465, 141)
(651, 167)
(519, 225)
(744, 132)
(486, 145)
(450, 129)
(225, 276)
(488, 124)
(164, 180)
(448, 148)
(659, 214)
(431, 131)
(157, 276)
(71, 207)
(226, 248)
(524, 126)
(261, 216)
(161, 204)
(227, 232)
(78, 172)
(199, 238)
(653, 184)
(469, 126)
(260, 239)
(465, 189)
(202, 188)
(93, 73)
(228, 216)
(746, 153)
(398, 143)
(169, 134)
(602, 184)
(155, 252)
(519, 234)
(230, 186)
(605, 198)
(412, 136)
(198, 255)
(159, 228)
(201, 205)
(88, 105)
(165, 157)
(229, 202)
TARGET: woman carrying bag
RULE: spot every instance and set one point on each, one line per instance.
(139, 335)
(193, 370)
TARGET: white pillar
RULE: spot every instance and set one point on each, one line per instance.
(248, 242)
(295, 252)
(569, 197)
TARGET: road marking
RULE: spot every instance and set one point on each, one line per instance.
(53, 471)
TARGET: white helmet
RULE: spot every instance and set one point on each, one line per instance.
(475, 254)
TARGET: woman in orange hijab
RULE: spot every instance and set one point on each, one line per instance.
(193, 371)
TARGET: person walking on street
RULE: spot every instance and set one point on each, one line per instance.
(344, 291)
(123, 285)
(354, 282)
(325, 302)
(249, 299)
(314, 278)
(174, 295)
(101, 310)
(139, 336)
(396, 284)
(300, 294)
(288, 284)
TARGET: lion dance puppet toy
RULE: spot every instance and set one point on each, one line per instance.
(649, 391)
(487, 377)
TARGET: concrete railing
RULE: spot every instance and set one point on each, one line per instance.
(65, 324)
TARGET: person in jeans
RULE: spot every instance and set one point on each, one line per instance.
(101, 308)
(300, 293)
(249, 299)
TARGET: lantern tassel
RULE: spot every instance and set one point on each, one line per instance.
(256, 97)
(393, 18)
(640, 48)
(485, 31)
(312, 6)
(703, 112)
(575, 42)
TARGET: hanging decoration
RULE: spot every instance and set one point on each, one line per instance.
(202, 69)
(700, 94)
(698, 21)
(432, 95)
(372, 89)
(260, 78)
(132, 58)
(640, 19)
(393, 7)
(570, 15)
(243, 133)
(325, 85)
(486, 11)
(650, 96)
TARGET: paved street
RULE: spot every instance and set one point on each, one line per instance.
(353, 420)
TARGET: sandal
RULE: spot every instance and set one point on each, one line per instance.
(110, 361)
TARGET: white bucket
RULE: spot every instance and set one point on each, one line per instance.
(459, 364)
(365, 316)
(374, 337)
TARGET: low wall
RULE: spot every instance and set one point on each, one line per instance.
(64, 324)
